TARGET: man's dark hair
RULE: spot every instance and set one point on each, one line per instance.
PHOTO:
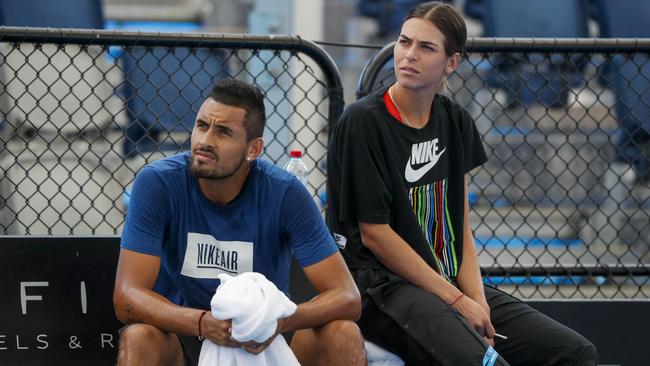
(239, 94)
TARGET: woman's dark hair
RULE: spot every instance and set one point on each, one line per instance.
(239, 94)
(450, 23)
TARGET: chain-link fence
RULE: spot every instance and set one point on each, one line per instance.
(82, 111)
(562, 207)
(559, 210)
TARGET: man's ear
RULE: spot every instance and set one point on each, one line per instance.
(255, 148)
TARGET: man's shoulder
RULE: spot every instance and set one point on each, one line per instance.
(170, 165)
(273, 183)
(272, 173)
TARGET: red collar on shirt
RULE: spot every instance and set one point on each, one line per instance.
(391, 108)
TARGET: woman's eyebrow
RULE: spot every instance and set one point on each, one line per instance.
(427, 43)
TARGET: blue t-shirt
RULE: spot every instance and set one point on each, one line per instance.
(273, 217)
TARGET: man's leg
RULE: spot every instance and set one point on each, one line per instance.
(143, 344)
(336, 343)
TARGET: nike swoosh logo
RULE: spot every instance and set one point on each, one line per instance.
(414, 175)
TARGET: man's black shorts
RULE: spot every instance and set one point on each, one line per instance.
(191, 349)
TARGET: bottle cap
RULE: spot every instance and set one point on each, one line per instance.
(295, 153)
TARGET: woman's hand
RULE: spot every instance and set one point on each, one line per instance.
(476, 316)
(486, 307)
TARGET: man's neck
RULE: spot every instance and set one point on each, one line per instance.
(224, 191)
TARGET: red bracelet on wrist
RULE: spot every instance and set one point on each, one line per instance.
(201, 318)
(458, 298)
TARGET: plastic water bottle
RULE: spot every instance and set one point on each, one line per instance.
(296, 166)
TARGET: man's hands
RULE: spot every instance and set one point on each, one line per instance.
(220, 332)
(256, 348)
(477, 316)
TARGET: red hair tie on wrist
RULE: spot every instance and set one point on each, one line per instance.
(458, 298)
(201, 318)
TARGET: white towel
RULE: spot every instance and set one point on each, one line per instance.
(254, 304)
(378, 356)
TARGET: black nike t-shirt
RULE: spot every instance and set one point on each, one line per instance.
(383, 171)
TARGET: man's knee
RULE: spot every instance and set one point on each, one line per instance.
(336, 343)
(342, 336)
(140, 342)
(138, 336)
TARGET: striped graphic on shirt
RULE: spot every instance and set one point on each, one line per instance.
(430, 207)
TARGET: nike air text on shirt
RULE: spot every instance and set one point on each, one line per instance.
(206, 257)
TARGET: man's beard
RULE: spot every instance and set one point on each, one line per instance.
(204, 172)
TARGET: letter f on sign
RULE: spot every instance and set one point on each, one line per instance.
(24, 297)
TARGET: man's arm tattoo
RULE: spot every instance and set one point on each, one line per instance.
(130, 316)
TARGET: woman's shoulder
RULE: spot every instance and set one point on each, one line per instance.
(451, 104)
(366, 104)
(457, 112)
(363, 112)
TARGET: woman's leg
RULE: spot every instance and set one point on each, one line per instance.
(420, 328)
(534, 338)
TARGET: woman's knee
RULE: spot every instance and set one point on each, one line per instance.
(587, 353)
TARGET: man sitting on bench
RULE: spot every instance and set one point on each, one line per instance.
(220, 209)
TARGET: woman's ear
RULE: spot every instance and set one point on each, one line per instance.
(452, 63)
